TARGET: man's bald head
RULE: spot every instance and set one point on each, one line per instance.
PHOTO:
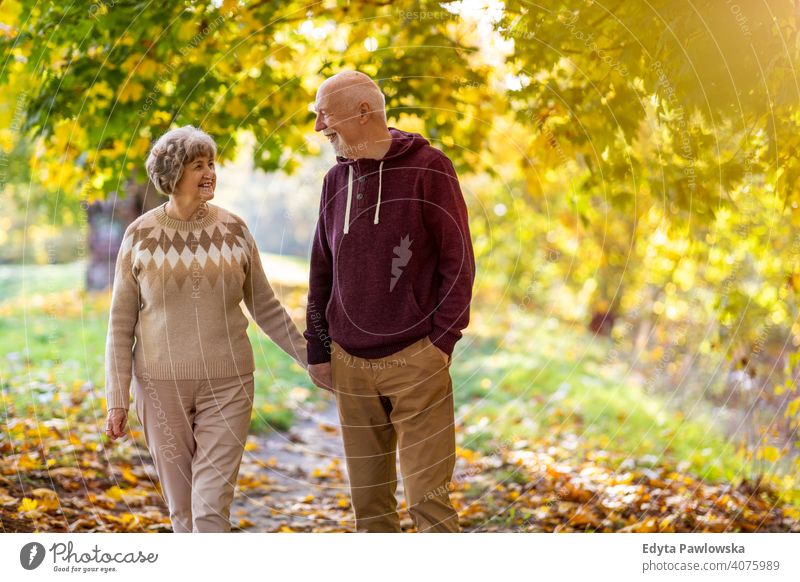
(351, 89)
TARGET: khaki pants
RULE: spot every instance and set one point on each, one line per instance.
(196, 431)
(404, 399)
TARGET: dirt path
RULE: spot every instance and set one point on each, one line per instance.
(294, 480)
(297, 481)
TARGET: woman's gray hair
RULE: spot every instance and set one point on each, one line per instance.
(173, 151)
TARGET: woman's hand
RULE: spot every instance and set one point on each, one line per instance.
(115, 423)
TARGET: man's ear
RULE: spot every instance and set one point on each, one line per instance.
(363, 113)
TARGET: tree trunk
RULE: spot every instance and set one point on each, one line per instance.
(107, 221)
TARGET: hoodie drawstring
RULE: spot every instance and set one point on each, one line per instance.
(376, 220)
(380, 186)
(349, 200)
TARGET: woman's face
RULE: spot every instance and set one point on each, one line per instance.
(199, 180)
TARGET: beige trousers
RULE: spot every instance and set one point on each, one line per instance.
(405, 400)
(196, 431)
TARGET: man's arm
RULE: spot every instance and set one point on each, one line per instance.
(319, 291)
(446, 219)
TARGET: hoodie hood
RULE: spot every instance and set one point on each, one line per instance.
(403, 143)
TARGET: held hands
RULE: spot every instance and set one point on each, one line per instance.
(115, 423)
(321, 375)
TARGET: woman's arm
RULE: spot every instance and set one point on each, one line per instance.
(267, 310)
(123, 316)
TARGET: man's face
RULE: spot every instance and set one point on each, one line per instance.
(340, 124)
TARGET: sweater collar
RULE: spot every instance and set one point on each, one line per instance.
(186, 225)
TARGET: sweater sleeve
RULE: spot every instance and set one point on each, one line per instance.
(267, 311)
(447, 221)
(319, 291)
(123, 315)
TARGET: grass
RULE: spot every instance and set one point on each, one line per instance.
(530, 379)
(546, 381)
(37, 279)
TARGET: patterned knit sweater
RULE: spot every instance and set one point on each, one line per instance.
(177, 293)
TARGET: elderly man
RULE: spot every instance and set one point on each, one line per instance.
(392, 269)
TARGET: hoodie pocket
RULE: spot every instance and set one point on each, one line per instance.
(363, 319)
(412, 300)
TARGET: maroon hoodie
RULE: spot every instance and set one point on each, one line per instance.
(392, 259)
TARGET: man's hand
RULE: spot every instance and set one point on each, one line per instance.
(321, 375)
(442, 353)
(115, 423)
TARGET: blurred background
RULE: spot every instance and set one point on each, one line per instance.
(631, 173)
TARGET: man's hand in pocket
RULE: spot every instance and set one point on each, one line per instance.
(445, 357)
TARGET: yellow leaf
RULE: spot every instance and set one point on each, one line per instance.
(6, 140)
(236, 108)
(792, 513)
(793, 407)
(129, 476)
(131, 91)
(770, 454)
(28, 504)
(26, 463)
(126, 495)
(100, 90)
(129, 518)
(115, 493)
(187, 30)
(147, 68)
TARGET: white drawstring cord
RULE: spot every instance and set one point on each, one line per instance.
(380, 186)
(349, 200)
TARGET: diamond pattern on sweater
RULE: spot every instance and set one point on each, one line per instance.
(205, 240)
(180, 273)
(214, 255)
(201, 256)
(167, 255)
(212, 272)
(140, 234)
(178, 243)
(192, 242)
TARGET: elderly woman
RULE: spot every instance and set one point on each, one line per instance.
(177, 330)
